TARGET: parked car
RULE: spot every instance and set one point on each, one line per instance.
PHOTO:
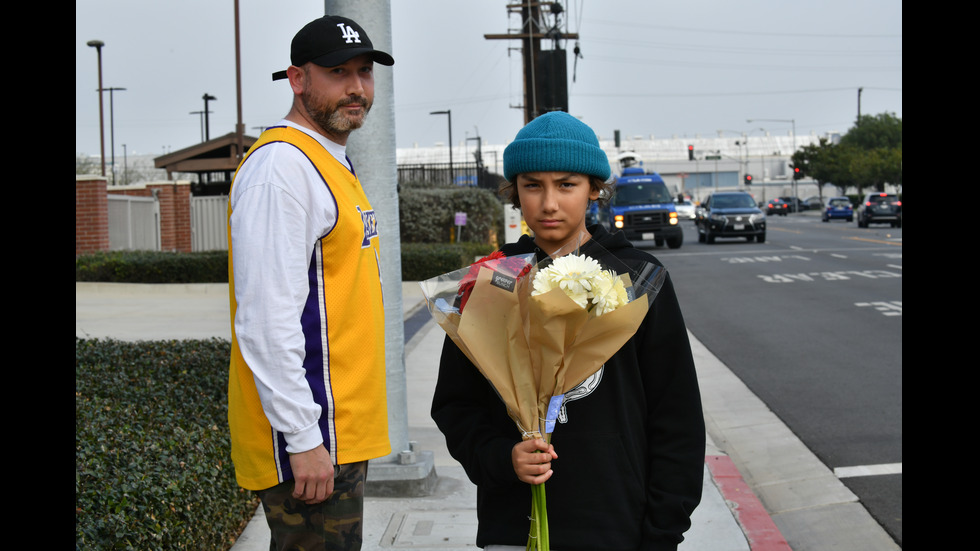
(813, 203)
(777, 206)
(685, 210)
(795, 204)
(730, 214)
(880, 208)
(838, 207)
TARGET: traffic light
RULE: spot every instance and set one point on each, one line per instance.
(748, 179)
(690, 153)
(797, 173)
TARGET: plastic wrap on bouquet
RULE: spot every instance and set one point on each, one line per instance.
(483, 309)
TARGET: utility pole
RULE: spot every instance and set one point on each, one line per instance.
(545, 72)
(239, 127)
(859, 107)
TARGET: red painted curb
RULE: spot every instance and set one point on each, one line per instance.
(757, 525)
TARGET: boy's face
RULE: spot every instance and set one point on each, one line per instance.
(554, 205)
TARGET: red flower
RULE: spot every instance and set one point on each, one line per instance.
(496, 261)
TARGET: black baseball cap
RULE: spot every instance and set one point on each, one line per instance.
(330, 41)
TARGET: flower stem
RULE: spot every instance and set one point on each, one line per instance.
(539, 539)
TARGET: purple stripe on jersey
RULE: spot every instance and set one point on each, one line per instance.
(316, 362)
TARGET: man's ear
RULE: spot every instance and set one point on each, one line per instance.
(297, 79)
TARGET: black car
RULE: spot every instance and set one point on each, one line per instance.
(777, 206)
(730, 214)
(795, 204)
(879, 208)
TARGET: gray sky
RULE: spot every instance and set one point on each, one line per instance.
(649, 67)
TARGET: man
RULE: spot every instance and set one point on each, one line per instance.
(306, 393)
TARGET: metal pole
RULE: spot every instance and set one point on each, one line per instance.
(372, 149)
(200, 115)
(449, 114)
(112, 132)
(207, 123)
(97, 44)
(240, 127)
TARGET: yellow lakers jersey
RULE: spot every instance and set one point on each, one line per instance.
(343, 326)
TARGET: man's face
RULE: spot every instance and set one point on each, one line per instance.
(338, 98)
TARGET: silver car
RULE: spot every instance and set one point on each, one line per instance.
(685, 210)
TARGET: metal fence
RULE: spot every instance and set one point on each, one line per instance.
(209, 223)
(134, 223)
(441, 174)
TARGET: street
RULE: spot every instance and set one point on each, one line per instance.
(811, 321)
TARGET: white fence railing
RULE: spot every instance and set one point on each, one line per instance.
(134, 223)
(209, 223)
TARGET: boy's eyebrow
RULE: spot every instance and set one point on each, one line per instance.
(561, 176)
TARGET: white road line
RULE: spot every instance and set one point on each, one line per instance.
(886, 308)
(868, 470)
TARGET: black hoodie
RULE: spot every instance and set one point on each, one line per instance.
(630, 440)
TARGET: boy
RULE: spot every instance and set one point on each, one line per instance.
(631, 437)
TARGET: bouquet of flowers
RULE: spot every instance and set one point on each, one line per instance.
(537, 330)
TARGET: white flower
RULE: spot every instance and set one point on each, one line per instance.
(608, 292)
(571, 273)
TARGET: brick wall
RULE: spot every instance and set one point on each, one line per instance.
(91, 215)
(92, 218)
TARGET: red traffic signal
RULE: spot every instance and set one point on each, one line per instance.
(748, 179)
(690, 153)
(797, 173)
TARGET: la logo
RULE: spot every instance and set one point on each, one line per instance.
(349, 34)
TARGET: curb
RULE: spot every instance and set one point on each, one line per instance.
(757, 525)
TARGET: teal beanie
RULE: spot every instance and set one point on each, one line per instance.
(555, 141)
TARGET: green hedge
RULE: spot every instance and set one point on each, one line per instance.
(153, 267)
(428, 215)
(419, 261)
(152, 450)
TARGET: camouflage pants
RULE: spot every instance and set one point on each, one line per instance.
(334, 525)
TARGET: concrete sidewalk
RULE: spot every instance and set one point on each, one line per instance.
(762, 486)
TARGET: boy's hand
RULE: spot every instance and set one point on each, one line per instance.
(532, 460)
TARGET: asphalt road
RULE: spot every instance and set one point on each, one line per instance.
(811, 321)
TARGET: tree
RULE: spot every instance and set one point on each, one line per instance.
(882, 131)
(868, 156)
(877, 141)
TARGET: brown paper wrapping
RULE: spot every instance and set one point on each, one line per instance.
(533, 348)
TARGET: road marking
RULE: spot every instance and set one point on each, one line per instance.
(770, 228)
(839, 256)
(886, 308)
(830, 276)
(868, 470)
(897, 267)
(899, 243)
(762, 259)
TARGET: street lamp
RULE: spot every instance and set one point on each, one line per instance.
(200, 115)
(207, 125)
(112, 132)
(97, 44)
(449, 115)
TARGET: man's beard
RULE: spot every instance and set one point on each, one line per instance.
(334, 119)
